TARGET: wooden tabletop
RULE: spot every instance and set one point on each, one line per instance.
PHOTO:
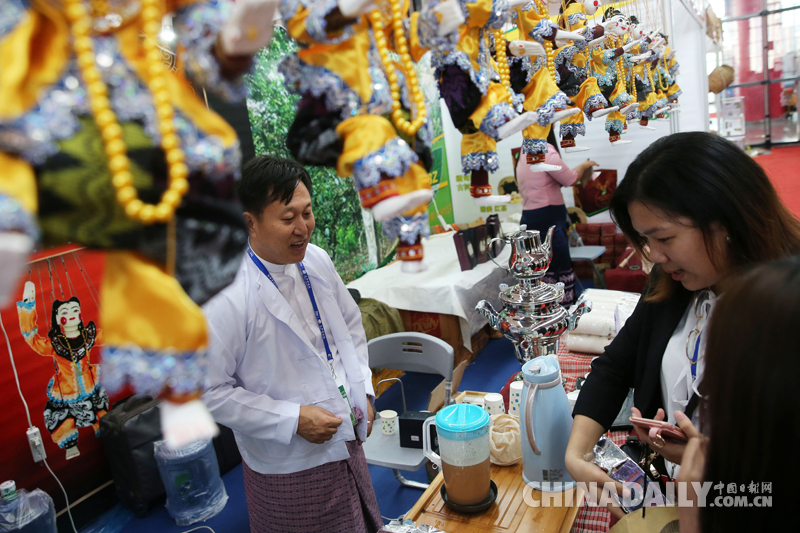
(510, 512)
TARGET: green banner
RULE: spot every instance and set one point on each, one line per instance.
(440, 184)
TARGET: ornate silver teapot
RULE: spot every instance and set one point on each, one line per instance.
(532, 317)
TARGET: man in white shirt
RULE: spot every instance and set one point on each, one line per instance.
(288, 367)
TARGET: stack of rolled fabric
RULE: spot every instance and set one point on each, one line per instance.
(597, 329)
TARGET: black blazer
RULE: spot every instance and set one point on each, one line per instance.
(633, 360)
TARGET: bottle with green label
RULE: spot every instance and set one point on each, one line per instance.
(26, 512)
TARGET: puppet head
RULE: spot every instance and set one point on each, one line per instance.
(615, 22)
(66, 316)
(637, 30)
(590, 6)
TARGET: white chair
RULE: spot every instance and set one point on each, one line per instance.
(409, 352)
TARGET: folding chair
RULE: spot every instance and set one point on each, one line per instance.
(409, 352)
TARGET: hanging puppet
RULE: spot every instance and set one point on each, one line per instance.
(536, 81)
(480, 105)
(642, 75)
(75, 397)
(671, 67)
(609, 61)
(108, 147)
(574, 75)
(361, 112)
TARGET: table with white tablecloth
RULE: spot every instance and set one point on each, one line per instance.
(443, 288)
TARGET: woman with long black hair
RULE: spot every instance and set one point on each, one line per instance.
(703, 212)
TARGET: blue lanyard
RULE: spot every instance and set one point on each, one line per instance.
(694, 357)
(264, 271)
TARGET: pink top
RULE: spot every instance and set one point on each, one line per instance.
(540, 189)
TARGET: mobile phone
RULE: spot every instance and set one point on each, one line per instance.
(665, 429)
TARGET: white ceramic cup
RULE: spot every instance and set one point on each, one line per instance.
(388, 422)
(493, 403)
(515, 398)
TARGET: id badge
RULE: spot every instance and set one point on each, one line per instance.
(343, 392)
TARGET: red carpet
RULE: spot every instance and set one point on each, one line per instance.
(783, 168)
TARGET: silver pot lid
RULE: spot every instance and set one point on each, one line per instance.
(534, 296)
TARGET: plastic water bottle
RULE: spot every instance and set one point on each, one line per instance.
(195, 490)
(26, 512)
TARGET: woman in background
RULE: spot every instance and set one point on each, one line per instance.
(750, 404)
(543, 206)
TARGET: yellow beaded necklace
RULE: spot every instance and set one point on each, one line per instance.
(419, 113)
(633, 84)
(612, 43)
(106, 120)
(502, 64)
(541, 7)
(649, 75)
(662, 83)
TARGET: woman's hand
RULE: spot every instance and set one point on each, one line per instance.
(670, 449)
(585, 434)
(584, 171)
(596, 481)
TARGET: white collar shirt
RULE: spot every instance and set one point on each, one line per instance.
(677, 383)
(292, 287)
(266, 359)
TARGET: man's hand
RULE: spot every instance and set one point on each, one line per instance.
(370, 417)
(317, 425)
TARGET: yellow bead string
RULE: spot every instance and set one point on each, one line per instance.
(502, 64)
(620, 70)
(543, 10)
(107, 122)
(633, 83)
(663, 83)
(632, 92)
(420, 113)
(649, 75)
